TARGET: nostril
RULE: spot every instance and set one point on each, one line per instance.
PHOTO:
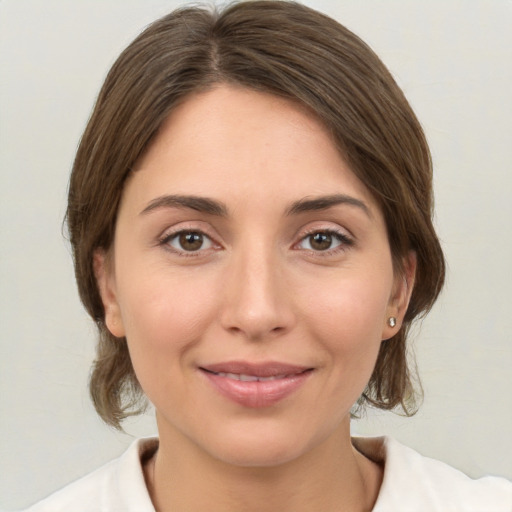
(255, 308)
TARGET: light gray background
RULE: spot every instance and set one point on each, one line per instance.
(453, 59)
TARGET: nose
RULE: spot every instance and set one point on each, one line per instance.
(257, 301)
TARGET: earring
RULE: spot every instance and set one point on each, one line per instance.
(391, 321)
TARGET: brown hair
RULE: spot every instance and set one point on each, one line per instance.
(285, 49)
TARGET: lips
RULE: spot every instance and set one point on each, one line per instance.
(255, 385)
(250, 378)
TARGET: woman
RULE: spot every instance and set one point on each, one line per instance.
(250, 214)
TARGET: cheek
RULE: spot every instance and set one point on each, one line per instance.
(165, 316)
(352, 310)
(347, 317)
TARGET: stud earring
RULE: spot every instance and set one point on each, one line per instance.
(391, 321)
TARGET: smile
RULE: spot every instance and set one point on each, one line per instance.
(250, 378)
(255, 386)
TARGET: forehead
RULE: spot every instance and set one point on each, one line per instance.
(236, 139)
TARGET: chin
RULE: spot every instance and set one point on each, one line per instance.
(263, 446)
(258, 454)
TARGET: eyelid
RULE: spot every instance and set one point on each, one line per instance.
(205, 240)
(188, 227)
(345, 238)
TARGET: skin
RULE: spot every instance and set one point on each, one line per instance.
(257, 289)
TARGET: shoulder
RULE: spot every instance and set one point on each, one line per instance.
(117, 486)
(415, 483)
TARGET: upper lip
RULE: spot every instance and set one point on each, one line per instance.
(264, 369)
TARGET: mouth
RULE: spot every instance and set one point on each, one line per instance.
(270, 369)
(250, 378)
(255, 385)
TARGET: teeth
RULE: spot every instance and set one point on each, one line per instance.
(249, 378)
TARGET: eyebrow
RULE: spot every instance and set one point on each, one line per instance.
(213, 207)
(200, 204)
(326, 202)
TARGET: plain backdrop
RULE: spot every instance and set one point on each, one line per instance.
(454, 61)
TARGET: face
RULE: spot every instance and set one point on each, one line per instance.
(252, 277)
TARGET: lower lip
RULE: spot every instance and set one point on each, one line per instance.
(257, 394)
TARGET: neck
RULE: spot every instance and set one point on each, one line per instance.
(331, 477)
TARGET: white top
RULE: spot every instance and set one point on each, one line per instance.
(412, 483)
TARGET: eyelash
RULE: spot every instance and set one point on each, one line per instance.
(167, 238)
(344, 242)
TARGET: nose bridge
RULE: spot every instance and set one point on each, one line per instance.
(256, 300)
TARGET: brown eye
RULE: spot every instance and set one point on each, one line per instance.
(324, 240)
(190, 241)
(320, 241)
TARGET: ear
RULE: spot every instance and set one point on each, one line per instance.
(105, 279)
(401, 295)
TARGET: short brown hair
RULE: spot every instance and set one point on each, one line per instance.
(285, 49)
